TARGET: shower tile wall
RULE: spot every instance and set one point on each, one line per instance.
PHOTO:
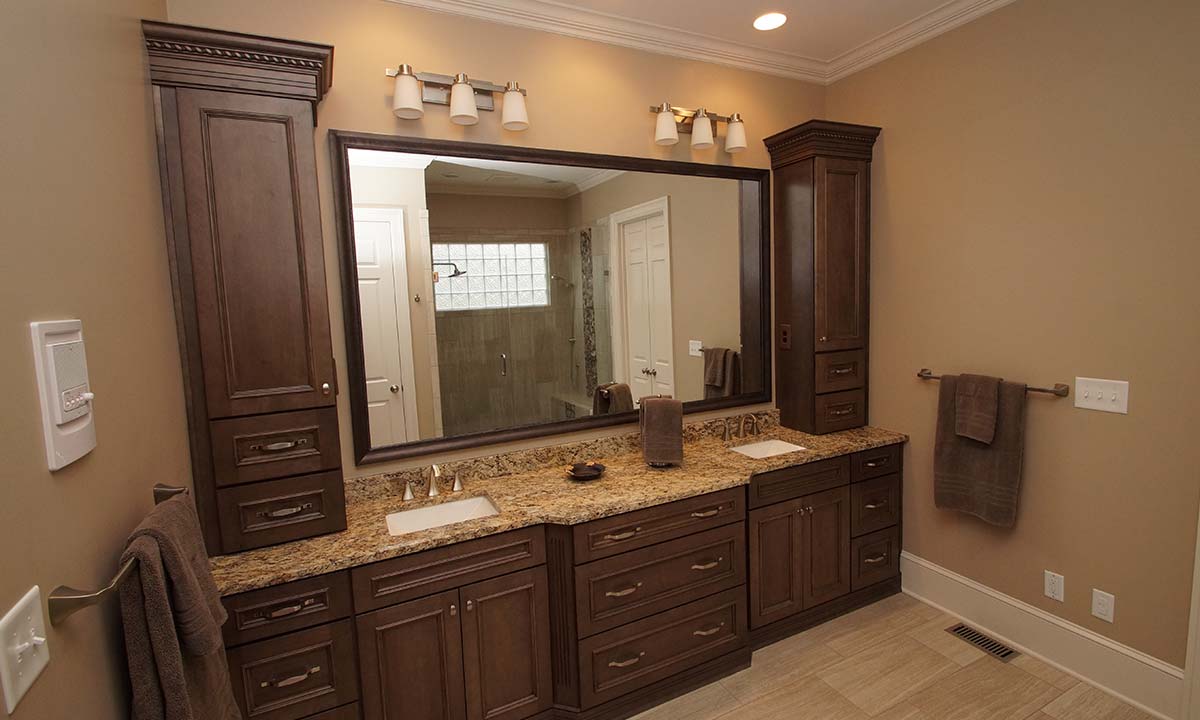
(475, 395)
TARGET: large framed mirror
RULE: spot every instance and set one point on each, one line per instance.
(494, 293)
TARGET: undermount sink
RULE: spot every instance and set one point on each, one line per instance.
(447, 513)
(766, 449)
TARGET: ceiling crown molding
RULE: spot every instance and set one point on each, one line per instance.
(562, 19)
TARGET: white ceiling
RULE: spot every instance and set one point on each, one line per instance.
(823, 40)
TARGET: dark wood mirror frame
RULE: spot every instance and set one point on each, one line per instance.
(755, 197)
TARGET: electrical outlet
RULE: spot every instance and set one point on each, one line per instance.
(1104, 605)
(1103, 395)
(1055, 586)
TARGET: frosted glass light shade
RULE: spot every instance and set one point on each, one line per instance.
(665, 132)
(462, 102)
(406, 98)
(702, 132)
(735, 135)
(514, 115)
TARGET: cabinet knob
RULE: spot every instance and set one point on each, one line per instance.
(326, 388)
(453, 610)
(823, 338)
(394, 389)
(470, 605)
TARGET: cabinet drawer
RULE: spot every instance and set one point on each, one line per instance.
(345, 712)
(277, 511)
(412, 576)
(658, 647)
(840, 411)
(875, 463)
(296, 675)
(283, 608)
(779, 485)
(263, 447)
(623, 588)
(874, 557)
(632, 530)
(874, 504)
(840, 371)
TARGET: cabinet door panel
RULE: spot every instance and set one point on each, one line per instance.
(826, 546)
(411, 660)
(256, 252)
(840, 254)
(776, 563)
(506, 646)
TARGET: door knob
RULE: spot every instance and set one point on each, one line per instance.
(394, 389)
(325, 388)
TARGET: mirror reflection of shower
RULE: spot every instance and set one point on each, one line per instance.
(571, 338)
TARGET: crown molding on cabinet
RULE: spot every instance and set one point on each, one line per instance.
(602, 27)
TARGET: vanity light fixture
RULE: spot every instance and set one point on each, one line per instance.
(671, 120)
(665, 132)
(462, 101)
(702, 131)
(465, 96)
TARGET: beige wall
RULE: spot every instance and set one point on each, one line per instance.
(1034, 216)
(705, 258)
(85, 243)
(495, 211)
(583, 96)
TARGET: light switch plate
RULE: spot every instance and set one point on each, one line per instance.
(1103, 395)
(696, 348)
(24, 651)
(68, 423)
(1104, 605)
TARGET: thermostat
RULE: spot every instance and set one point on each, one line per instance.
(67, 423)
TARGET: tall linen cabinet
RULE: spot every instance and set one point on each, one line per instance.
(235, 117)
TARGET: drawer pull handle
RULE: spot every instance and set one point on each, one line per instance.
(626, 663)
(878, 462)
(623, 593)
(287, 610)
(291, 679)
(844, 411)
(699, 514)
(875, 505)
(875, 560)
(623, 535)
(453, 609)
(709, 632)
(708, 565)
(285, 512)
(279, 446)
(842, 370)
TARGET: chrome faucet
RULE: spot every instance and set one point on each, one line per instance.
(754, 428)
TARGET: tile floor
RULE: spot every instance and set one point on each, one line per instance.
(892, 661)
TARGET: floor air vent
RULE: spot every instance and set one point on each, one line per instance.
(991, 646)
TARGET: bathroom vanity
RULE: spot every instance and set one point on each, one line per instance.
(591, 600)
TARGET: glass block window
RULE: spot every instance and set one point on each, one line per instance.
(498, 275)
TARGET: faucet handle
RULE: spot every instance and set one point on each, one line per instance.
(408, 491)
(458, 486)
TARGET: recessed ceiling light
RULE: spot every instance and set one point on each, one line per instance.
(769, 21)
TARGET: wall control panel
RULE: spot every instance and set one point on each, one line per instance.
(68, 425)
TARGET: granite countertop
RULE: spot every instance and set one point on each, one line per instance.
(532, 498)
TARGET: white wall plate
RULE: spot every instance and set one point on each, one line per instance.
(1103, 395)
(24, 651)
(68, 425)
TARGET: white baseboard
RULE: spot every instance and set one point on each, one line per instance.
(1135, 677)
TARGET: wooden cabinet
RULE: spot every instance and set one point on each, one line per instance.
(236, 116)
(799, 555)
(822, 251)
(476, 653)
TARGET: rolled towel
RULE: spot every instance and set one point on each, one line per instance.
(662, 431)
(976, 399)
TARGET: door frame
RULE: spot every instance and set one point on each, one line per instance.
(408, 375)
(1191, 668)
(619, 321)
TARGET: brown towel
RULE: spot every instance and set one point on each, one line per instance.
(971, 477)
(975, 403)
(172, 616)
(662, 431)
(612, 398)
(722, 372)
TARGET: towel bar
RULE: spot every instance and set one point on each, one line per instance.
(1059, 389)
(64, 601)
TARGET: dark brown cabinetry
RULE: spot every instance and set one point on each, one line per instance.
(822, 251)
(236, 117)
(821, 539)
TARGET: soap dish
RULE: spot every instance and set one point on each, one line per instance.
(585, 471)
